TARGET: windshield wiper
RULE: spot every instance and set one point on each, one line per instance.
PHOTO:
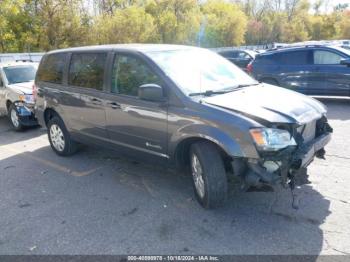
(209, 93)
(222, 91)
(246, 85)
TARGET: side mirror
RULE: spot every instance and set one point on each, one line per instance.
(345, 62)
(151, 92)
(1, 83)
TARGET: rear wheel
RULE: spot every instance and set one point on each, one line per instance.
(14, 118)
(208, 175)
(59, 137)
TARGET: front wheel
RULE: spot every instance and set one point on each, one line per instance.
(14, 118)
(59, 137)
(208, 175)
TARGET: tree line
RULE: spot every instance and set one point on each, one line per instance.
(42, 25)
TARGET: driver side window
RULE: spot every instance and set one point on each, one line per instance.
(129, 73)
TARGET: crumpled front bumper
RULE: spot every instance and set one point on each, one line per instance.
(308, 151)
(25, 114)
(285, 165)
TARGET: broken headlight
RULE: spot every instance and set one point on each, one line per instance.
(28, 99)
(272, 139)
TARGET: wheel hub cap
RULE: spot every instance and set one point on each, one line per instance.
(57, 137)
(14, 118)
(197, 173)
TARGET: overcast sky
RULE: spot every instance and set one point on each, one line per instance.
(329, 4)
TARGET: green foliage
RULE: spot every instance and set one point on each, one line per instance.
(225, 23)
(40, 25)
(8, 10)
(128, 25)
(60, 24)
(176, 21)
(293, 22)
(344, 25)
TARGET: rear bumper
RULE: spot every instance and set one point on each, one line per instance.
(39, 114)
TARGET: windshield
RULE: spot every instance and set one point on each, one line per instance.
(20, 74)
(200, 70)
(343, 49)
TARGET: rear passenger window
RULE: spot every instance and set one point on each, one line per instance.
(322, 57)
(51, 68)
(266, 59)
(87, 70)
(228, 54)
(295, 58)
(129, 73)
(243, 55)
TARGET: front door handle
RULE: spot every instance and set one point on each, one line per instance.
(96, 101)
(114, 105)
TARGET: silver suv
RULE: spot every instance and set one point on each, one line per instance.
(16, 98)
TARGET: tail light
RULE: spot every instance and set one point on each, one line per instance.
(250, 67)
(34, 92)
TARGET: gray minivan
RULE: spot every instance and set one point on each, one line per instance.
(184, 105)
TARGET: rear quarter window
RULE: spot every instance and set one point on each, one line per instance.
(87, 70)
(229, 54)
(300, 57)
(266, 59)
(243, 55)
(51, 68)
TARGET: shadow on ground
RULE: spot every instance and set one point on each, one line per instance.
(8, 135)
(98, 202)
(126, 207)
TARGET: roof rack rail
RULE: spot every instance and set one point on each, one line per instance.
(295, 46)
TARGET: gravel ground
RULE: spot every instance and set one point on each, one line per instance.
(97, 202)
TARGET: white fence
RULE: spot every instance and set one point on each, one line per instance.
(11, 57)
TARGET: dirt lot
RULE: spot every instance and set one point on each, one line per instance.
(97, 202)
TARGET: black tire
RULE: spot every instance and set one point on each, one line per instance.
(214, 174)
(16, 124)
(70, 146)
(270, 81)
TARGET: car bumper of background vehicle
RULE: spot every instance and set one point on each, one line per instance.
(25, 116)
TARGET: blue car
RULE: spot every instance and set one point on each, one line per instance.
(311, 70)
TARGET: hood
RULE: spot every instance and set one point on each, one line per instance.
(22, 88)
(270, 103)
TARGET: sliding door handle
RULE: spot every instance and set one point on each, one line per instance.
(114, 105)
(96, 101)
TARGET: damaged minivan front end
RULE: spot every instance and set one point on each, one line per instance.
(293, 130)
(284, 151)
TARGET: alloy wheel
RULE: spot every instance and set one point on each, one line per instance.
(14, 118)
(197, 173)
(57, 137)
